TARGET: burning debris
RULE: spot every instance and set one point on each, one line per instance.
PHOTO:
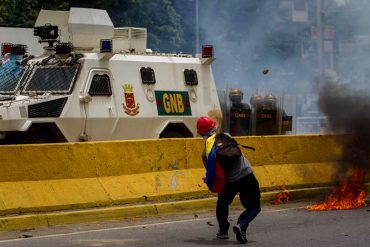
(281, 197)
(350, 194)
(347, 113)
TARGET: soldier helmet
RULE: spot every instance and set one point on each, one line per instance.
(256, 100)
(236, 95)
(269, 102)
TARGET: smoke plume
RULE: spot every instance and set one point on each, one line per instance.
(347, 112)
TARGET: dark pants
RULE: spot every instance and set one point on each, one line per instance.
(249, 193)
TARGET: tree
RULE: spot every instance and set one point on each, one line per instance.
(24, 12)
(187, 13)
(158, 16)
(19, 12)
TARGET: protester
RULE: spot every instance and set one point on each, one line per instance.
(239, 178)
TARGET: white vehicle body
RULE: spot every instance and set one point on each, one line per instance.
(104, 96)
(19, 35)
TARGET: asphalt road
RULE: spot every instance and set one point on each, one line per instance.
(277, 225)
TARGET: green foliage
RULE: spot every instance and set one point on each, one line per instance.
(19, 12)
(187, 12)
(25, 12)
(158, 16)
(54, 5)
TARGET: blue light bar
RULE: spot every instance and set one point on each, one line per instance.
(105, 45)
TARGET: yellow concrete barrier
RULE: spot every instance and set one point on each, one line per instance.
(44, 178)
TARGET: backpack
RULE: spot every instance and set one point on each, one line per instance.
(224, 149)
(227, 149)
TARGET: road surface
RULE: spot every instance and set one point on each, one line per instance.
(277, 225)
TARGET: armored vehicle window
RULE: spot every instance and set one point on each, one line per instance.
(191, 78)
(100, 85)
(52, 79)
(10, 75)
(147, 75)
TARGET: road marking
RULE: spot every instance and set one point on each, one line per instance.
(136, 226)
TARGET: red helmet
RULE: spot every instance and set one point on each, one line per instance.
(205, 125)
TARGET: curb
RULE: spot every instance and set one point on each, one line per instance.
(31, 221)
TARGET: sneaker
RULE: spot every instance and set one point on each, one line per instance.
(240, 234)
(222, 235)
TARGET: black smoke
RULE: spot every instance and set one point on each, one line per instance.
(348, 114)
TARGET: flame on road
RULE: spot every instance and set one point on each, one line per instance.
(351, 193)
(281, 197)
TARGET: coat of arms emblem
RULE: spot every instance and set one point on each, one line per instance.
(131, 108)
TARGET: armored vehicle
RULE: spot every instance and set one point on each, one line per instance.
(97, 82)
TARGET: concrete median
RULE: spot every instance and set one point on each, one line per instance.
(38, 181)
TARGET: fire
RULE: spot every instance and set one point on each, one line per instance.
(349, 194)
(281, 197)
